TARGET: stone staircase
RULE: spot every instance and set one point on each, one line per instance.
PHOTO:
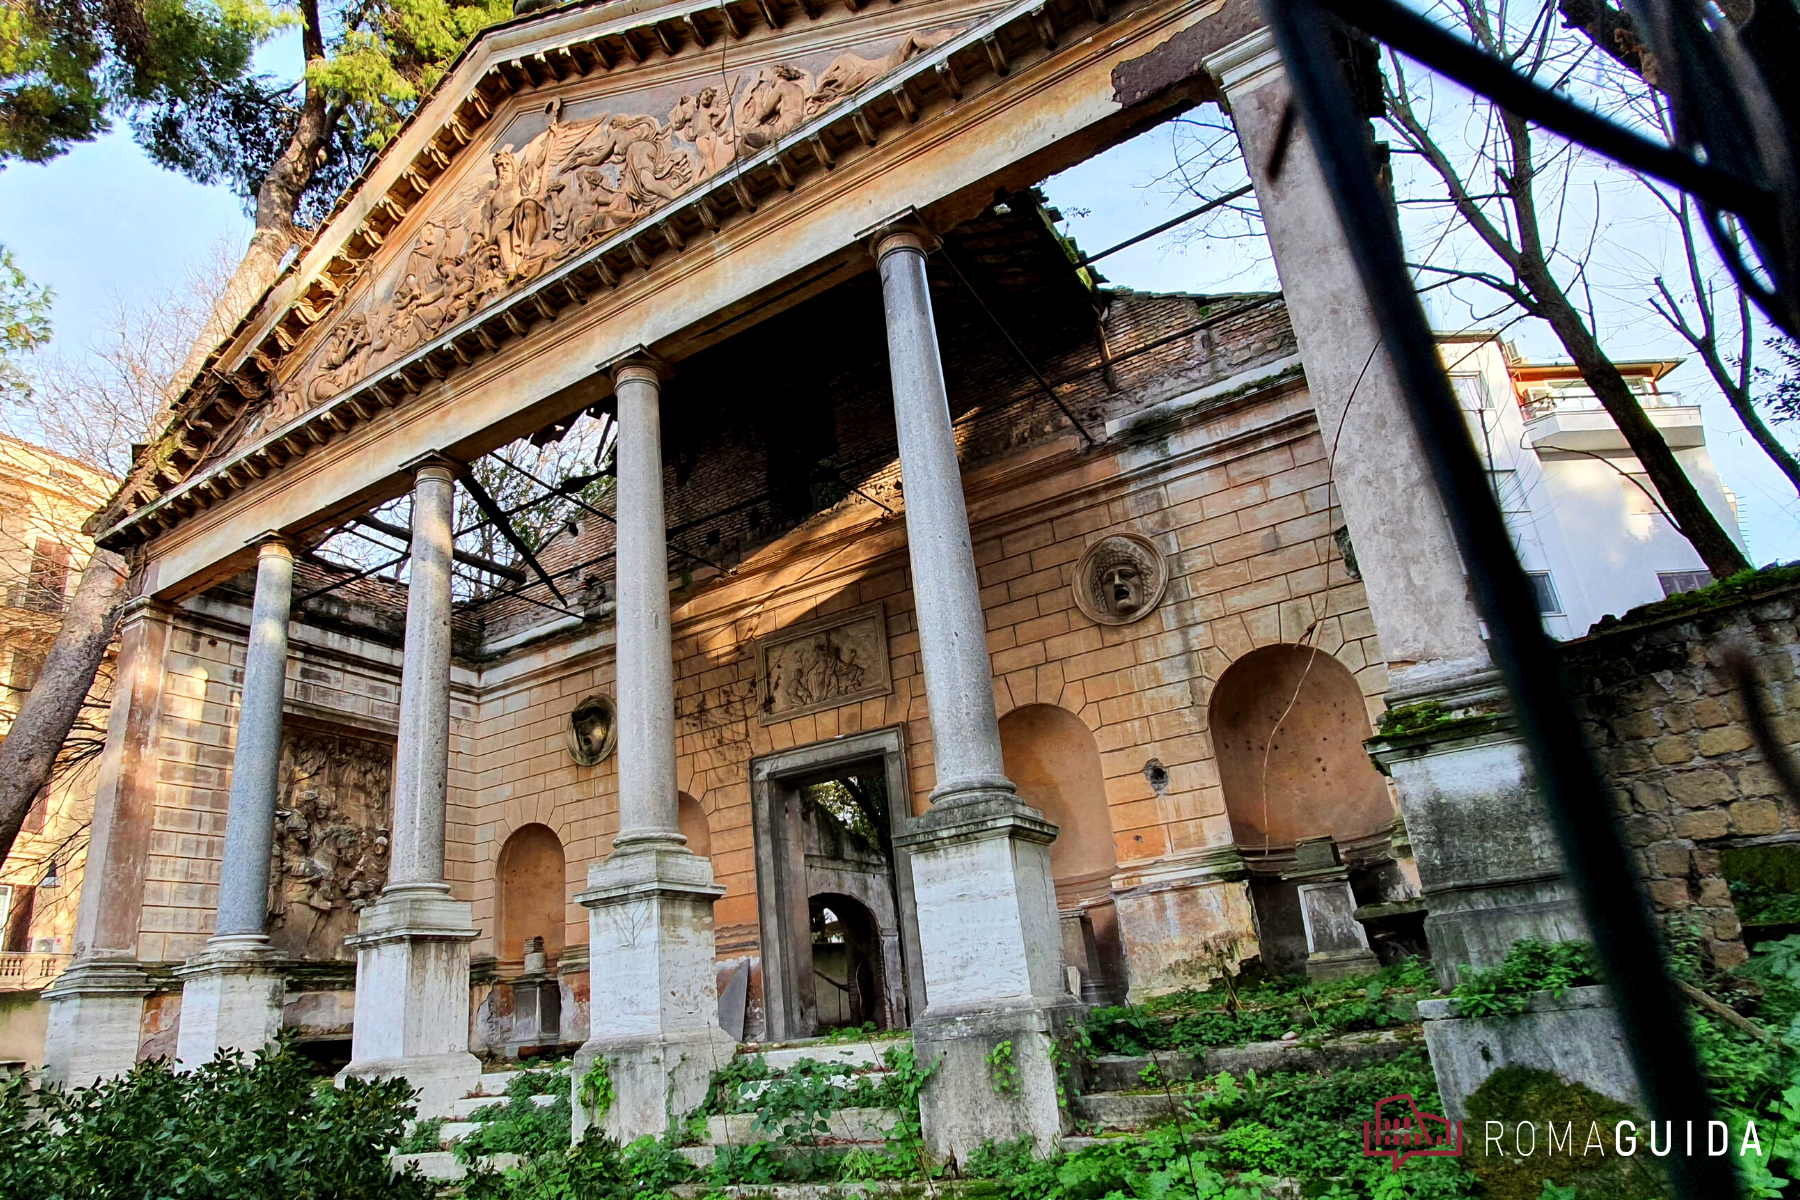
(1126, 1095)
(847, 1129)
(490, 1090)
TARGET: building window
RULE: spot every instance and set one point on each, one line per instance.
(1676, 582)
(22, 675)
(1472, 392)
(1545, 591)
(37, 813)
(49, 577)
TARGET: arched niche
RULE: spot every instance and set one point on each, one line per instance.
(1288, 725)
(1053, 760)
(532, 892)
(693, 825)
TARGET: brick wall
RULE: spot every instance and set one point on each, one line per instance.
(1668, 730)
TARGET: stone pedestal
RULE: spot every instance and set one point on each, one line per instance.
(1335, 942)
(231, 999)
(999, 1001)
(653, 987)
(96, 1012)
(537, 1003)
(1576, 1035)
(412, 995)
(1490, 870)
(1180, 916)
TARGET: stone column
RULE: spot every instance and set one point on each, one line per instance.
(412, 944)
(231, 994)
(654, 994)
(1488, 863)
(988, 928)
(96, 1006)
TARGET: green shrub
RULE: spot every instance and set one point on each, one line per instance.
(1530, 966)
(263, 1127)
(522, 1125)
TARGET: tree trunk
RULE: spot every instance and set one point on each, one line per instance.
(276, 201)
(1693, 520)
(28, 755)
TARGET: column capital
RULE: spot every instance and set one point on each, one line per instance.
(905, 230)
(272, 541)
(638, 363)
(1246, 64)
(139, 609)
(433, 461)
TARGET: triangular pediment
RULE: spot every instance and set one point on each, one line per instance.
(561, 155)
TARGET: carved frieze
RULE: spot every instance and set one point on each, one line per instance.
(556, 181)
(332, 822)
(1120, 579)
(824, 663)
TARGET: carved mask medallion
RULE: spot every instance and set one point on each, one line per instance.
(1120, 579)
(593, 729)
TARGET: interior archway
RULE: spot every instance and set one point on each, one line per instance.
(847, 962)
(694, 827)
(532, 892)
(1053, 760)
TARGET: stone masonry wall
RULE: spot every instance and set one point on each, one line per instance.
(1667, 727)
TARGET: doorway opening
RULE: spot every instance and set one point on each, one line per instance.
(834, 894)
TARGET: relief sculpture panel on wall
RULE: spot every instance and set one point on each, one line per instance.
(824, 663)
(332, 828)
(561, 180)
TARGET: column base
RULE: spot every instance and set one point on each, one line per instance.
(412, 995)
(994, 1075)
(656, 1081)
(96, 1015)
(1577, 1036)
(1490, 869)
(655, 1006)
(231, 998)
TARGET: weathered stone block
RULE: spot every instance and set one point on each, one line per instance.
(1669, 894)
(1673, 750)
(1709, 713)
(1576, 1035)
(1702, 826)
(1697, 789)
(1676, 718)
(1727, 740)
(1756, 816)
(1634, 726)
(1668, 861)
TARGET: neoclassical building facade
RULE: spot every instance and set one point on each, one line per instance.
(957, 642)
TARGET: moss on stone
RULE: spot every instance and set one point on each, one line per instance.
(1776, 868)
(1409, 720)
(1592, 1164)
(1742, 586)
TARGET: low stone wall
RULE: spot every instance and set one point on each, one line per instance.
(1667, 727)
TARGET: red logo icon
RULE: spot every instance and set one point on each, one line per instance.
(1400, 1131)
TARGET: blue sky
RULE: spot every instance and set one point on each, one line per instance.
(102, 223)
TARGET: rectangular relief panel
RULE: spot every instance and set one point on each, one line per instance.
(823, 663)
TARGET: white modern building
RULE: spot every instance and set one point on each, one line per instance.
(1589, 526)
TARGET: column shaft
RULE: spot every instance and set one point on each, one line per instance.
(250, 822)
(965, 734)
(422, 758)
(648, 810)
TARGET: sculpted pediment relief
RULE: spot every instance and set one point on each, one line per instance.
(556, 180)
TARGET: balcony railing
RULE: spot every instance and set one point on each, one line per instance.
(26, 971)
(1584, 401)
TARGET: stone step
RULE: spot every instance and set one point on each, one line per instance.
(1133, 1104)
(466, 1108)
(444, 1167)
(844, 1125)
(850, 1054)
(1124, 1073)
(493, 1083)
(456, 1131)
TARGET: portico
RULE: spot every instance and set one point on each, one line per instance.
(798, 544)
